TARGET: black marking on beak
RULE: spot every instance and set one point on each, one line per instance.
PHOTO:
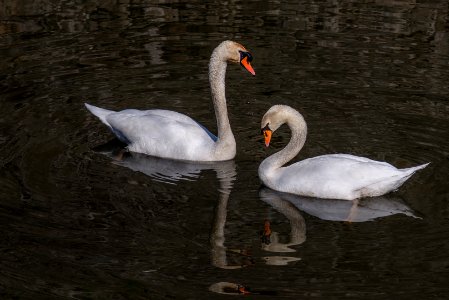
(265, 128)
(244, 54)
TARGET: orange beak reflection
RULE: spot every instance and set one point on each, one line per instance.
(245, 63)
(243, 290)
(267, 135)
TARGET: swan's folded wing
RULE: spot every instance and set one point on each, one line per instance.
(334, 176)
(164, 135)
(371, 178)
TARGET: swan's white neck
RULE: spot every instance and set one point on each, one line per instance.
(225, 145)
(298, 127)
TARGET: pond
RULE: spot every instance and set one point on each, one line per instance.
(80, 219)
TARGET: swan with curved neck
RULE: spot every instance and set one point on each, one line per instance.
(332, 176)
(169, 134)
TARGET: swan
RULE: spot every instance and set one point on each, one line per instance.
(332, 176)
(169, 134)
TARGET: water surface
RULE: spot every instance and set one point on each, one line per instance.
(371, 79)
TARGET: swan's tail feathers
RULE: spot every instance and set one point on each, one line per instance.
(101, 113)
(390, 183)
(412, 170)
(407, 173)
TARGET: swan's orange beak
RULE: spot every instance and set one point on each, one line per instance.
(245, 63)
(267, 135)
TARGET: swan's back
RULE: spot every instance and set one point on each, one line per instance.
(341, 176)
(162, 133)
(158, 132)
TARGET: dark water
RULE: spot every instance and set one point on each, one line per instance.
(371, 79)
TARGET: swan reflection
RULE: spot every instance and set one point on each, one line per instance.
(228, 288)
(231, 288)
(172, 171)
(219, 254)
(167, 170)
(297, 229)
(362, 210)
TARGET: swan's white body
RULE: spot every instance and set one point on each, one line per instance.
(334, 176)
(169, 134)
(161, 133)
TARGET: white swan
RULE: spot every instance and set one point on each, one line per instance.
(169, 134)
(333, 176)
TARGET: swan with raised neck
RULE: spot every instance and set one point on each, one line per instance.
(225, 147)
(168, 134)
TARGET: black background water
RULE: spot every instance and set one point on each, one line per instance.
(370, 78)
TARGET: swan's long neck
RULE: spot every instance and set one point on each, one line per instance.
(217, 74)
(298, 128)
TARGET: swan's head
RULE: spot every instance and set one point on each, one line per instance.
(274, 118)
(235, 53)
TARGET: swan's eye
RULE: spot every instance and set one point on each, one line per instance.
(248, 56)
(265, 129)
